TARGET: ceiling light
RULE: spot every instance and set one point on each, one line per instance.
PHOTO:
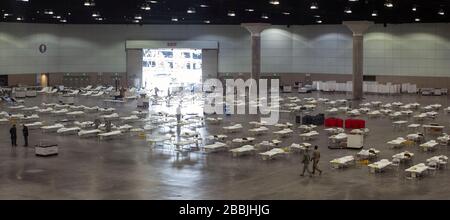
(231, 13)
(348, 10)
(135, 21)
(48, 12)
(207, 21)
(250, 9)
(388, 4)
(414, 8)
(174, 19)
(89, 3)
(319, 21)
(274, 2)
(138, 17)
(57, 17)
(314, 6)
(99, 19)
(203, 6)
(23, 0)
(317, 16)
(153, 2)
(353, 0)
(264, 16)
(286, 13)
(191, 10)
(417, 19)
(95, 14)
(441, 12)
(145, 6)
(63, 21)
(19, 18)
(6, 15)
(374, 13)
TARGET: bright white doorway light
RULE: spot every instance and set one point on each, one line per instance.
(171, 68)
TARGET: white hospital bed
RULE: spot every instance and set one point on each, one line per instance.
(85, 124)
(89, 133)
(287, 132)
(417, 170)
(140, 114)
(273, 153)
(75, 114)
(91, 109)
(30, 118)
(283, 126)
(34, 125)
(354, 113)
(333, 131)
(130, 119)
(60, 112)
(242, 141)
(257, 124)
(44, 110)
(444, 139)
(125, 128)
(379, 166)
(214, 120)
(68, 131)
(342, 162)
(429, 146)
(437, 162)
(374, 114)
(233, 129)
(113, 116)
(403, 156)
(106, 110)
(266, 145)
(4, 121)
(30, 109)
(399, 142)
(258, 131)
(51, 128)
(368, 154)
(88, 93)
(244, 150)
(309, 136)
(299, 148)
(109, 135)
(331, 111)
(307, 128)
(217, 146)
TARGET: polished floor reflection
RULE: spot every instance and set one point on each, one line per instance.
(128, 168)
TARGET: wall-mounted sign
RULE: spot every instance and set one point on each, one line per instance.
(42, 48)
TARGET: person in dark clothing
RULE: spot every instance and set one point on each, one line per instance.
(315, 159)
(305, 161)
(25, 135)
(13, 133)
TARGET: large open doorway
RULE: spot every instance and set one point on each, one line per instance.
(171, 68)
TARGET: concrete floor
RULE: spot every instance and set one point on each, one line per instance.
(128, 168)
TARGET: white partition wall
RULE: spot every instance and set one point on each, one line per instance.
(395, 50)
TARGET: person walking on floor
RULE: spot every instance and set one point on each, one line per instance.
(305, 161)
(25, 135)
(315, 159)
(13, 133)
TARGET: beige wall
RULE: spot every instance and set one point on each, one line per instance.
(290, 79)
(22, 79)
(93, 79)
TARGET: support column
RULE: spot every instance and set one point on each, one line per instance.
(133, 76)
(358, 28)
(255, 30)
